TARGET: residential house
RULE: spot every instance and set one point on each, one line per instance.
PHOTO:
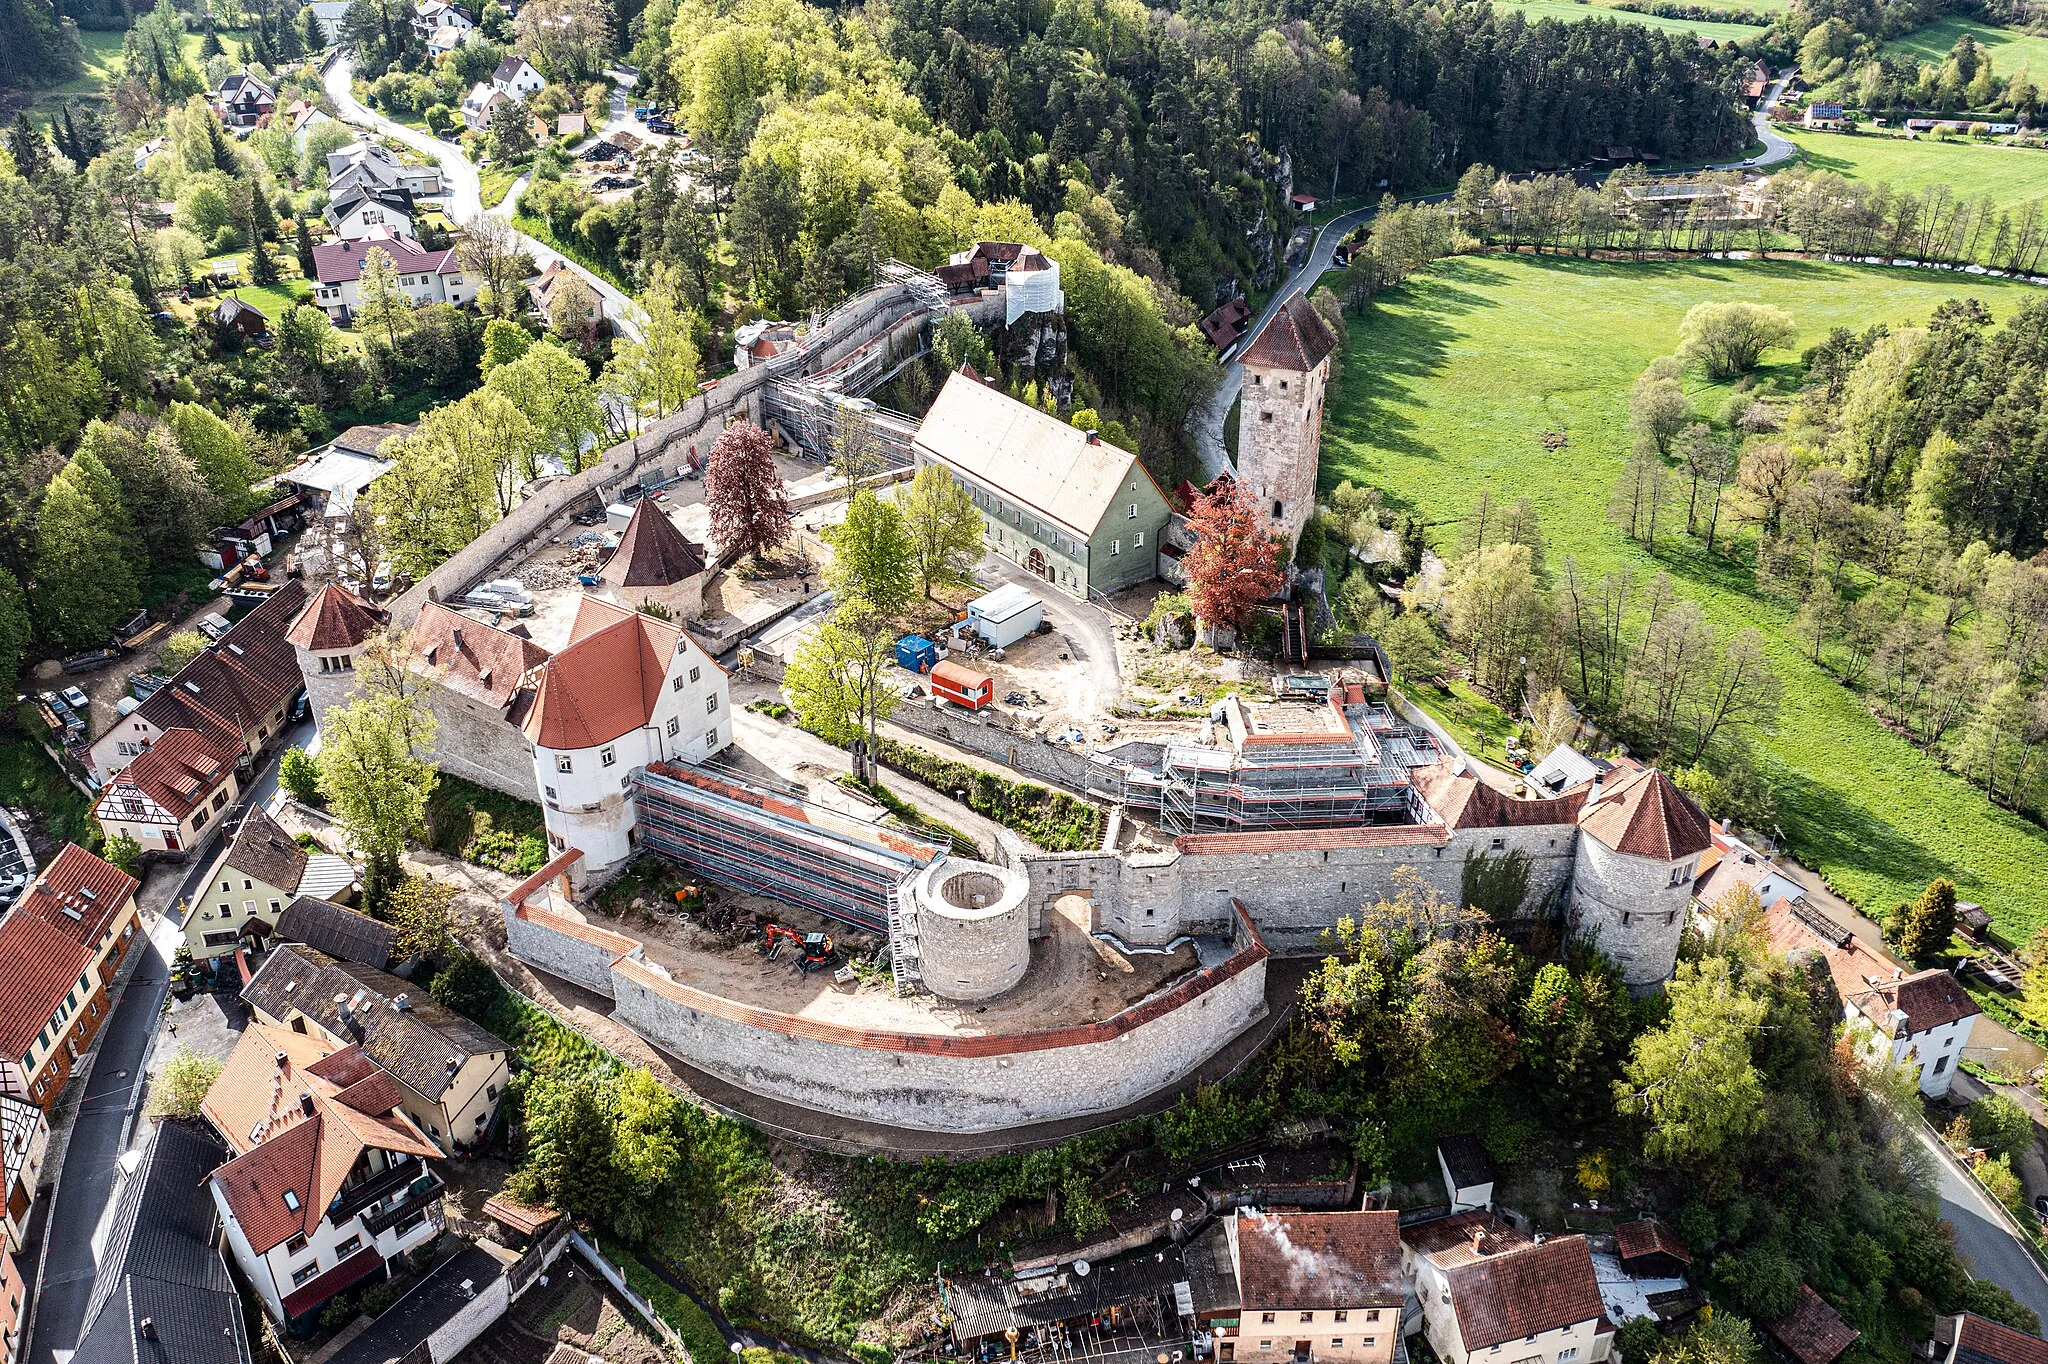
(329, 14)
(1822, 115)
(162, 1291)
(301, 117)
(1468, 1174)
(1812, 1332)
(516, 77)
(333, 476)
(13, 1296)
(166, 797)
(1314, 1286)
(1756, 83)
(1731, 862)
(1923, 1020)
(374, 166)
(63, 945)
(429, 16)
(448, 1071)
(1490, 1295)
(481, 104)
(337, 931)
(236, 694)
(424, 276)
(247, 890)
(243, 100)
(360, 213)
(328, 1177)
(1966, 1338)
(558, 290)
(1223, 326)
(1065, 504)
(24, 1139)
(626, 691)
(446, 39)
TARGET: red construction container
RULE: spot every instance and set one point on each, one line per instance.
(962, 686)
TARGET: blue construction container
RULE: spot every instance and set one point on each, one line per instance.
(917, 653)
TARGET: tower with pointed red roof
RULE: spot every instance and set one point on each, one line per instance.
(1639, 846)
(328, 636)
(654, 563)
(1280, 417)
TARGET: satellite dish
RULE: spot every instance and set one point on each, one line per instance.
(1081, 1269)
(1175, 1215)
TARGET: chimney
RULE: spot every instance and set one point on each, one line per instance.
(306, 1103)
(283, 1061)
(148, 1328)
(341, 1006)
(403, 1002)
(454, 1064)
(1094, 437)
(1479, 1239)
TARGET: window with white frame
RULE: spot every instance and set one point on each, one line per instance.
(564, 763)
(608, 756)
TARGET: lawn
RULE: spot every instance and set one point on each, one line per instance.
(1566, 12)
(273, 300)
(2011, 50)
(2010, 175)
(103, 65)
(1447, 389)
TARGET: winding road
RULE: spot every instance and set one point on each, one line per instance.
(1987, 1244)
(464, 190)
(1209, 418)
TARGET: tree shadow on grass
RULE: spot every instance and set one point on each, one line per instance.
(1406, 338)
(1826, 829)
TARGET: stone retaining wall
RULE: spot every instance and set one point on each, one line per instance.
(1028, 756)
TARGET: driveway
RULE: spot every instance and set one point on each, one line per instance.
(1988, 1247)
(1090, 635)
(464, 193)
(63, 1247)
(1209, 418)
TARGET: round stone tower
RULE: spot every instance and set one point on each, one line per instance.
(1639, 845)
(1280, 417)
(973, 928)
(328, 637)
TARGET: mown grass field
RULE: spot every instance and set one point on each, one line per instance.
(104, 64)
(1564, 11)
(2010, 175)
(1450, 384)
(2010, 49)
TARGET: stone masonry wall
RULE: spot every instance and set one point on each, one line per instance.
(562, 947)
(1031, 758)
(934, 1090)
(481, 746)
(1628, 908)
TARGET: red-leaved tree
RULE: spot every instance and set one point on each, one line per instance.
(749, 511)
(1236, 562)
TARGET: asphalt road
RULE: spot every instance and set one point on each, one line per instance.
(1090, 636)
(1987, 1245)
(465, 191)
(1209, 447)
(91, 1160)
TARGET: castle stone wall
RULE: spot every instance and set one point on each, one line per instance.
(1628, 908)
(576, 952)
(481, 745)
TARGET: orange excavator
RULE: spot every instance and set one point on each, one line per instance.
(812, 949)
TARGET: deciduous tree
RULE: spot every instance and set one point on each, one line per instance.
(179, 1087)
(1728, 339)
(1692, 1079)
(553, 390)
(376, 773)
(743, 488)
(945, 528)
(839, 679)
(85, 581)
(1236, 562)
(874, 556)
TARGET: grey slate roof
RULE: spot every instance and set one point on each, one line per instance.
(162, 1264)
(338, 931)
(414, 1043)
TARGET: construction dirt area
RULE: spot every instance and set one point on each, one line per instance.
(1074, 977)
(572, 1318)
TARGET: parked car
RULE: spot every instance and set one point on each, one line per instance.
(77, 699)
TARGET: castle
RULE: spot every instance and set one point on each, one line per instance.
(1280, 415)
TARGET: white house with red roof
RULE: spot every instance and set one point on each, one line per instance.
(1489, 1293)
(328, 1180)
(243, 100)
(425, 276)
(1314, 1286)
(169, 795)
(627, 690)
(63, 944)
(1923, 1019)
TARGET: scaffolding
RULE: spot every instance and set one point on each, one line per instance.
(777, 845)
(1356, 774)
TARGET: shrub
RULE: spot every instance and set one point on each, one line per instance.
(1211, 1119)
(1054, 820)
(2000, 1126)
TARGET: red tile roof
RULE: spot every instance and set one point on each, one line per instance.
(1524, 1291)
(652, 552)
(78, 894)
(261, 1108)
(1311, 1260)
(42, 966)
(1296, 339)
(1813, 1331)
(1645, 815)
(1867, 982)
(228, 691)
(1982, 1339)
(1648, 1236)
(607, 682)
(479, 661)
(1930, 999)
(334, 620)
(1463, 801)
(180, 772)
(345, 1275)
(339, 262)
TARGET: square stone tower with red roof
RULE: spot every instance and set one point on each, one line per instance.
(1280, 416)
